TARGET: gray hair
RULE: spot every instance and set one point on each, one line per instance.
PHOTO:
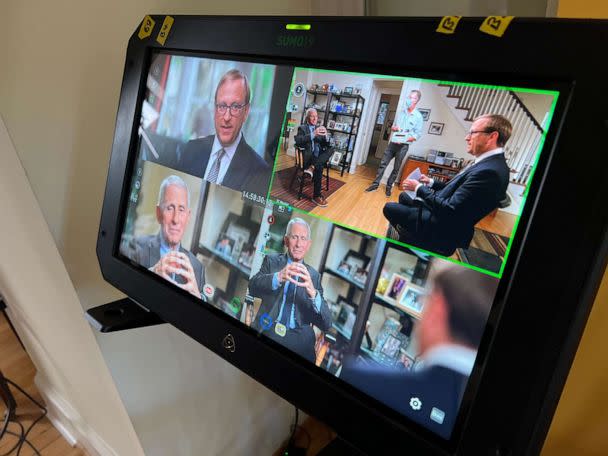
(168, 181)
(309, 112)
(299, 221)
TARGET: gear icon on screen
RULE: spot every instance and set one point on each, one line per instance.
(415, 403)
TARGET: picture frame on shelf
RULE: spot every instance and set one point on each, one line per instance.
(360, 276)
(339, 126)
(224, 246)
(356, 260)
(390, 327)
(336, 158)
(395, 287)
(346, 316)
(391, 346)
(246, 255)
(335, 307)
(426, 113)
(344, 268)
(348, 90)
(241, 236)
(436, 128)
(412, 299)
(331, 124)
(406, 360)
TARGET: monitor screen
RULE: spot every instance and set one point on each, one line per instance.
(363, 221)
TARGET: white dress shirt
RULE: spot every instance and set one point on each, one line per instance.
(454, 357)
(229, 152)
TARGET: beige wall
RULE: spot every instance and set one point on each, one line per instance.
(458, 7)
(62, 65)
(59, 84)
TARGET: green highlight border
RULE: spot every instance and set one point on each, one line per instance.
(376, 236)
(533, 168)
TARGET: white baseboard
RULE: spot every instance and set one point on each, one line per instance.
(69, 423)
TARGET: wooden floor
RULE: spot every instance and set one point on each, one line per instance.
(312, 435)
(17, 366)
(352, 206)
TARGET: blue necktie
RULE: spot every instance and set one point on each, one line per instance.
(287, 305)
(315, 145)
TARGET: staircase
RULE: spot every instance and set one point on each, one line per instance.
(471, 102)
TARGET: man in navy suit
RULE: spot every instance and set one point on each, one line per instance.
(314, 143)
(225, 158)
(448, 334)
(292, 295)
(443, 216)
(163, 253)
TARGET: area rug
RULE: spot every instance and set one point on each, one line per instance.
(281, 191)
(486, 251)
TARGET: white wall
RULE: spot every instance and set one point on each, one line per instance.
(452, 137)
(45, 310)
(539, 105)
(59, 84)
(340, 80)
(460, 7)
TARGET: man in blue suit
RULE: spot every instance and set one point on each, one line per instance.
(443, 215)
(291, 293)
(225, 158)
(448, 334)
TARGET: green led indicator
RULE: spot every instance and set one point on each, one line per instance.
(297, 26)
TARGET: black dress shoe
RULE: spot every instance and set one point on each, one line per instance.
(371, 188)
(389, 190)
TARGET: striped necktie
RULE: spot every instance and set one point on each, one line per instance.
(215, 169)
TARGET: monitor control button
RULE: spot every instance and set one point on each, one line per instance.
(229, 343)
(415, 403)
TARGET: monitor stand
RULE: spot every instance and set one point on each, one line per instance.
(339, 447)
(120, 315)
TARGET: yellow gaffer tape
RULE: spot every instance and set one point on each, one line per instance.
(164, 30)
(146, 28)
(448, 24)
(496, 25)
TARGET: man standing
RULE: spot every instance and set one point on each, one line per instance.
(447, 215)
(225, 158)
(162, 253)
(313, 140)
(292, 295)
(448, 334)
(406, 129)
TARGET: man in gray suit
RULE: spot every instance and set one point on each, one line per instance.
(292, 295)
(162, 253)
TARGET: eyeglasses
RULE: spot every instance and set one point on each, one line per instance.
(472, 132)
(235, 109)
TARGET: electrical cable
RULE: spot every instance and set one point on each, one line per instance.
(20, 435)
(293, 431)
(24, 433)
(5, 425)
(291, 441)
(36, 452)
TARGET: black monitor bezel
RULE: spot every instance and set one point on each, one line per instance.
(483, 429)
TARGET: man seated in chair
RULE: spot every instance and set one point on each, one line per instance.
(443, 215)
(314, 143)
(291, 293)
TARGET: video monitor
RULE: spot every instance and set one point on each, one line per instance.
(357, 224)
